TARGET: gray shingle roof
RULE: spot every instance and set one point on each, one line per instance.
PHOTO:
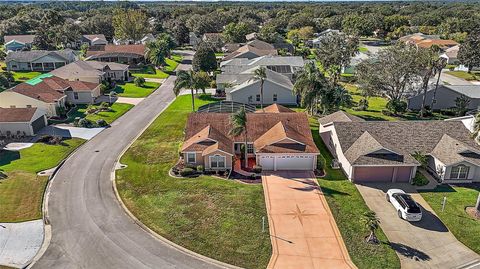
(32, 55)
(26, 39)
(339, 116)
(472, 91)
(404, 138)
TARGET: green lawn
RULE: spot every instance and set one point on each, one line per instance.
(465, 228)
(131, 90)
(375, 106)
(149, 72)
(25, 75)
(177, 58)
(170, 66)
(217, 218)
(363, 49)
(465, 75)
(347, 206)
(118, 109)
(21, 193)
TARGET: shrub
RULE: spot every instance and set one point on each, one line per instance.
(419, 180)
(91, 109)
(387, 112)
(185, 172)
(50, 139)
(84, 123)
(200, 168)
(253, 176)
(213, 84)
(397, 106)
(75, 121)
(191, 166)
(101, 123)
(103, 88)
(139, 81)
(104, 104)
(362, 105)
(257, 169)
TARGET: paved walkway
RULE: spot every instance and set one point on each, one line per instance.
(424, 244)
(303, 231)
(128, 100)
(19, 242)
(69, 131)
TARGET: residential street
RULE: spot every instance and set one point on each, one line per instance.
(89, 227)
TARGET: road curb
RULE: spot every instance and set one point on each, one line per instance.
(146, 228)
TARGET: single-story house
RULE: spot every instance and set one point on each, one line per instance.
(124, 54)
(94, 40)
(39, 60)
(251, 36)
(385, 151)
(252, 49)
(317, 41)
(451, 54)
(243, 88)
(285, 65)
(21, 121)
(18, 42)
(279, 139)
(427, 41)
(93, 71)
(445, 97)
(144, 40)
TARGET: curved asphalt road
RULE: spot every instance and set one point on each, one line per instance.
(89, 227)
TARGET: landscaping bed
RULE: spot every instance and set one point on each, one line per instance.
(115, 112)
(21, 192)
(463, 226)
(221, 219)
(348, 206)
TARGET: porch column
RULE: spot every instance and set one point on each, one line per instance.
(54, 66)
(43, 67)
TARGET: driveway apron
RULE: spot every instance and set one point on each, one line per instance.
(302, 229)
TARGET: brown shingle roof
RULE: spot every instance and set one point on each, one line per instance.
(275, 108)
(339, 116)
(259, 126)
(17, 114)
(42, 91)
(82, 86)
(138, 49)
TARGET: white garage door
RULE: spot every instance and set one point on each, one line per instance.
(294, 162)
(267, 162)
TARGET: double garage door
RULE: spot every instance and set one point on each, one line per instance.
(382, 174)
(38, 124)
(287, 162)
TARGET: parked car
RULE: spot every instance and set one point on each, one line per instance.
(406, 207)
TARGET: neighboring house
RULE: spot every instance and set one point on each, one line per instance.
(39, 60)
(147, 38)
(21, 121)
(124, 54)
(93, 71)
(94, 40)
(243, 88)
(144, 40)
(316, 42)
(357, 59)
(285, 65)
(251, 36)
(252, 49)
(445, 97)
(383, 151)
(279, 139)
(50, 94)
(287, 47)
(451, 54)
(193, 39)
(468, 121)
(18, 42)
(212, 37)
(427, 41)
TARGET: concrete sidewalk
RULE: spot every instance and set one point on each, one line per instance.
(302, 229)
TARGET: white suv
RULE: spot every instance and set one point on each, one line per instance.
(406, 207)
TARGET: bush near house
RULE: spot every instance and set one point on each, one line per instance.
(217, 218)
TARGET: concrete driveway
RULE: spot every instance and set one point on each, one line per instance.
(20, 242)
(424, 244)
(302, 229)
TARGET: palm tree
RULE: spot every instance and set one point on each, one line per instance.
(260, 74)
(239, 126)
(476, 127)
(185, 80)
(371, 222)
(201, 81)
(156, 53)
(308, 86)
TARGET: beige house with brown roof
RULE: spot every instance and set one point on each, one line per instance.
(93, 71)
(21, 121)
(277, 139)
(252, 49)
(383, 151)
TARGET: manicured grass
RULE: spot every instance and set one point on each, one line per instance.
(464, 227)
(465, 75)
(149, 72)
(218, 218)
(21, 193)
(177, 58)
(347, 206)
(375, 106)
(170, 66)
(118, 109)
(219, 54)
(131, 90)
(363, 49)
(25, 75)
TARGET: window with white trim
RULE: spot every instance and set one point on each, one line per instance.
(250, 148)
(459, 172)
(258, 97)
(217, 161)
(275, 97)
(191, 157)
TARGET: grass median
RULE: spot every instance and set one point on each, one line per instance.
(217, 218)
